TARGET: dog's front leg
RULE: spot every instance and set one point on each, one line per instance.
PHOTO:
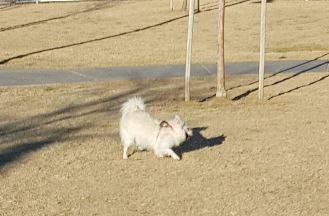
(168, 152)
(125, 152)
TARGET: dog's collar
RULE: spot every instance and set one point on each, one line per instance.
(165, 124)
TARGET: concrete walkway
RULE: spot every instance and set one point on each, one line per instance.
(19, 77)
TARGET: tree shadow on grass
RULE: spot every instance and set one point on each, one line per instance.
(29, 134)
(104, 104)
(38, 22)
(31, 142)
(214, 6)
(198, 141)
(8, 6)
(5, 61)
(101, 6)
(73, 122)
(161, 23)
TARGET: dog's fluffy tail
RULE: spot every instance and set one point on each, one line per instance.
(132, 105)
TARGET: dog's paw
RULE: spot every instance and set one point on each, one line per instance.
(160, 156)
(141, 149)
(175, 157)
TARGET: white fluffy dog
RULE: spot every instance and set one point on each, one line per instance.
(138, 128)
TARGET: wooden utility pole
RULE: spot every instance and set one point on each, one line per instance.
(189, 51)
(221, 92)
(171, 4)
(262, 51)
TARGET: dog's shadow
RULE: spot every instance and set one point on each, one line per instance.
(198, 141)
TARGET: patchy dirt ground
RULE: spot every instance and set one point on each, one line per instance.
(145, 32)
(60, 152)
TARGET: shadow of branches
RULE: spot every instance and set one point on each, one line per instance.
(4, 61)
(72, 122)
(214, 6)
(12, 146)
(89, 41)
(8, 6)
(97, 7)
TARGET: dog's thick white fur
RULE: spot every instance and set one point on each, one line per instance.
(138, 128)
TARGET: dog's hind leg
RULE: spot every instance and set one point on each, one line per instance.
(126, 142)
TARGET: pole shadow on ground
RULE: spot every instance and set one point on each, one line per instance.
(293, 75)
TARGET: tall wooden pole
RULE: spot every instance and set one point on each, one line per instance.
(189, 51)
(262, 51)
(221, 92)
(171, 4)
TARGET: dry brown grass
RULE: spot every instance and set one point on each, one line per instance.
(60, 152)
(86, 34)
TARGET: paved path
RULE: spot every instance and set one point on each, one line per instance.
(18, 77)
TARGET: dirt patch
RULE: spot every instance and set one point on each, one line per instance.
(60, 152)
(126, 33)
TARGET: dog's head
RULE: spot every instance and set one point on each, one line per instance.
(180, 128)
